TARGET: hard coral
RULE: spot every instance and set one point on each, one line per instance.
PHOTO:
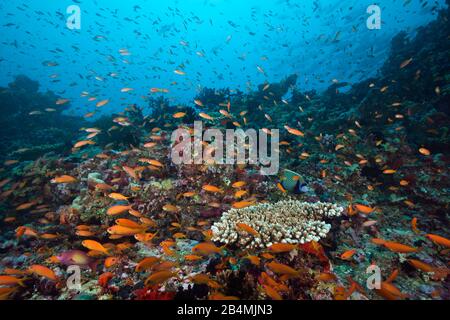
(285, 221)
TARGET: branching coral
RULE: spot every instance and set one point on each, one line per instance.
(285, 221)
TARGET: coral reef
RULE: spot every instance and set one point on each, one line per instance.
(376, 156)
(33, 123)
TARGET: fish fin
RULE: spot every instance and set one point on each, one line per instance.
(21, 282)
(393, 276)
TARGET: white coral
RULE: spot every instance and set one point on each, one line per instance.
(285, 221)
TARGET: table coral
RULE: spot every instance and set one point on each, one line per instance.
(285, 221)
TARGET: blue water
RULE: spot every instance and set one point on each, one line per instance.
(216, 43)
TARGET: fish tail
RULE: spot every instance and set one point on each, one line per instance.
(21, 282)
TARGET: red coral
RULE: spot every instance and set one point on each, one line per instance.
(152, 293)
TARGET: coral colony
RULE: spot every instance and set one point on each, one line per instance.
(273, 154)
(282, 222)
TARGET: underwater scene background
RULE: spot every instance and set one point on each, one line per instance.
(352, 97)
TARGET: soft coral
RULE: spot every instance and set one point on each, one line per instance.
(152, 293)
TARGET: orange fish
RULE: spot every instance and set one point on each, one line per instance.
(225, 113)
(123, 246)
(347, 255)
(266, 279)
(123, 231)
(102, 103)
(350, 210)
(49, 236)
(7, 280)
(266, 255)
(282, 247)
(280, 268)
(83, 143)
(242, 204)
(43, 272)
(128, 223)
(117, 196)
(189, 194)
(6, 292)
(206, 116)
(192, 257)
(239, 184)
(294, 132)
(9, 219)
(324, 276)
(170, 208)
(439, 240)
(179, 115)
(200, 279)
(254, 260)
(420, 265)
(148, 222)
(179, 235)
(10, 162)
(14, 272)
(103, 187)
(111, 261)
(94, 245)
(159, 277)
(340, 293)
(414, 225)
(405, 63)
(213, 189)
(388, 290)
(145, 237)
(424, 151)
(364, 209)
(26, 206)
(84, 233)
(271, 292)
(240, 194)
(64, 179)
(206, 248)
(247, 228)
(135, 213)
(152, 162)
(150, 145)
(398, 247)
(146, 263)
(22, 230)
(404, 183)
(131, 172)
(199, 103)
(116, 210)
(378, 241)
